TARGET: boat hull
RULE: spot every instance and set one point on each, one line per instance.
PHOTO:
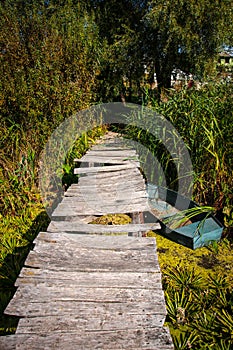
(201, 231)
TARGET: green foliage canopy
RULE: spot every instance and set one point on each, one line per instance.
(186, 34)
(48, 61)
(161, 35)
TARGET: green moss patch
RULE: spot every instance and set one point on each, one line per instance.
(112, 219)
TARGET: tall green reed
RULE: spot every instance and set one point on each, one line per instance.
(203, 118)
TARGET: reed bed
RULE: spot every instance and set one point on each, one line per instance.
(203, 119)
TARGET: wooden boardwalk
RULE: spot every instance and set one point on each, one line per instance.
(92, 286)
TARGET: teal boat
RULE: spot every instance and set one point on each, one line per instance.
(170, 208)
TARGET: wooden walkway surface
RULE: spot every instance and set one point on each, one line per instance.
(91, 286)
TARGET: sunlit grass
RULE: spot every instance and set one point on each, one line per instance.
(206, 261)
(198, 291)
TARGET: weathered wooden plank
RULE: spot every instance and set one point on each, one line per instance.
(108, 160)
(111, 152)
(115, 141)
(149, 280)
(92, 198)
(87, 181)
(89, 322)
(63, 211)
(30, 308)
(112, 147)
(121, 174)
(78, 260)
(108, 155)
(131, 181)
(91, 184)
(92, 242)
(104, 202)
(98, 242)
(71, 252)
(101, 190)
(88, 195)
(104, 168)
(108, 179)
(122, 188)
(47, 292)
(72, 212)
(114, 182)
(64, 226)
(119, 142)
(156, 338)
(56, 240)
(111, 138)
(117, 155)
(81, 219)
(101, 160)
(122, 144)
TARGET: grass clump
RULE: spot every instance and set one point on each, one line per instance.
(17, 235)
(198, 292)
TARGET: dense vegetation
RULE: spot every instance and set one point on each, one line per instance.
(198, 292)
(59, 57)
(203, 119)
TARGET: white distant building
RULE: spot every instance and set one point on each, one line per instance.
(178, 76)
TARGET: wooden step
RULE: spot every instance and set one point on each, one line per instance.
(66, 226)
(109, 168)
(155, 338)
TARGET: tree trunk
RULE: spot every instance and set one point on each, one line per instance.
(163, 76)
(166, 80)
